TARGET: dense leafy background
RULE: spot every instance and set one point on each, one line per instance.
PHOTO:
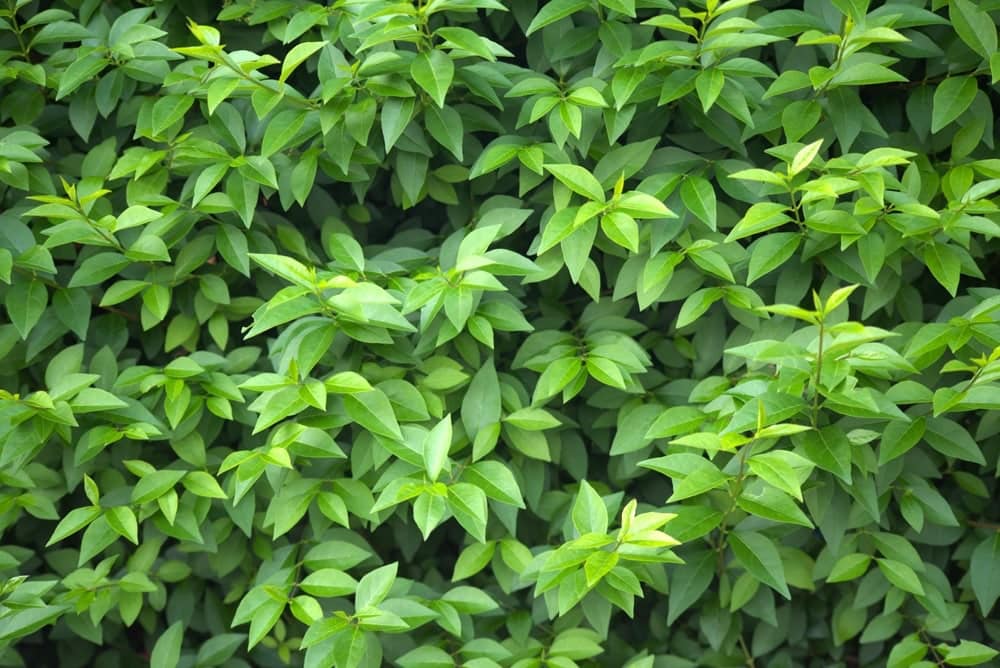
(461, 332)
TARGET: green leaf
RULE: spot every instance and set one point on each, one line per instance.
(952, 97)
(167, 650)
(849, 567)
(556, 376)
(901, 576)
(983, 572)
(621, 229)
(675, 421)
(26, 303)
(804, 157)
(709, 84)
(298, 55)
(643, 206)
(123, 521)
(899, 437)
(952, 440)
(974, 26)
(764, 500)
(829, 449)
(496, 480)
(532, 419)
(691, 474)
(699, 198)
(579, 180)
(436, 448)
(967, 653)
(277, 406)
(396, 116)
(232, 245)
(281, 130)
(493, 157)
(598, 565)
(447, 128)
(473, 559)
(770, 252)
(204, 484)
(285, 267)
(589, 515)
(777, 468)
(347, 382)
(467, 40)
(349, 648)
(75, 520)
(219, 648)
(84, 68)
(688, 582)
(169, 110)
(758, 555)
(433, 71)
(554, 11)
(155, 484)
(373, 411)
(468, 504)
(481, 403)
(945, 264)
(696, 305)
(374, 586)
(760, 217)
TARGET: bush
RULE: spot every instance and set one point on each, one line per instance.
(518, 334)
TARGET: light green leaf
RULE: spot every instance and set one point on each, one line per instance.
(433, 71)
(589, 514)
(298, 55)
(690, 474)
(579, 180)
(555, 11)
(900, 575)
(473, 559)
(436, 448)
(967, 653)
(849, 567)
(374, 586)
(281, 130)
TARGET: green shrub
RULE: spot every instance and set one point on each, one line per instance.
(462, 332)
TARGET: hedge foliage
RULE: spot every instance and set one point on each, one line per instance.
(460, 332)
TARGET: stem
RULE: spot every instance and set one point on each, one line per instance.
(835, 65)
(746, 652)
(938, 659)
(17, 32)
(819, 373)
(737, 490)
(796, 207)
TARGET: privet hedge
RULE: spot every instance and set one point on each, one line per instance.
(460, 332)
